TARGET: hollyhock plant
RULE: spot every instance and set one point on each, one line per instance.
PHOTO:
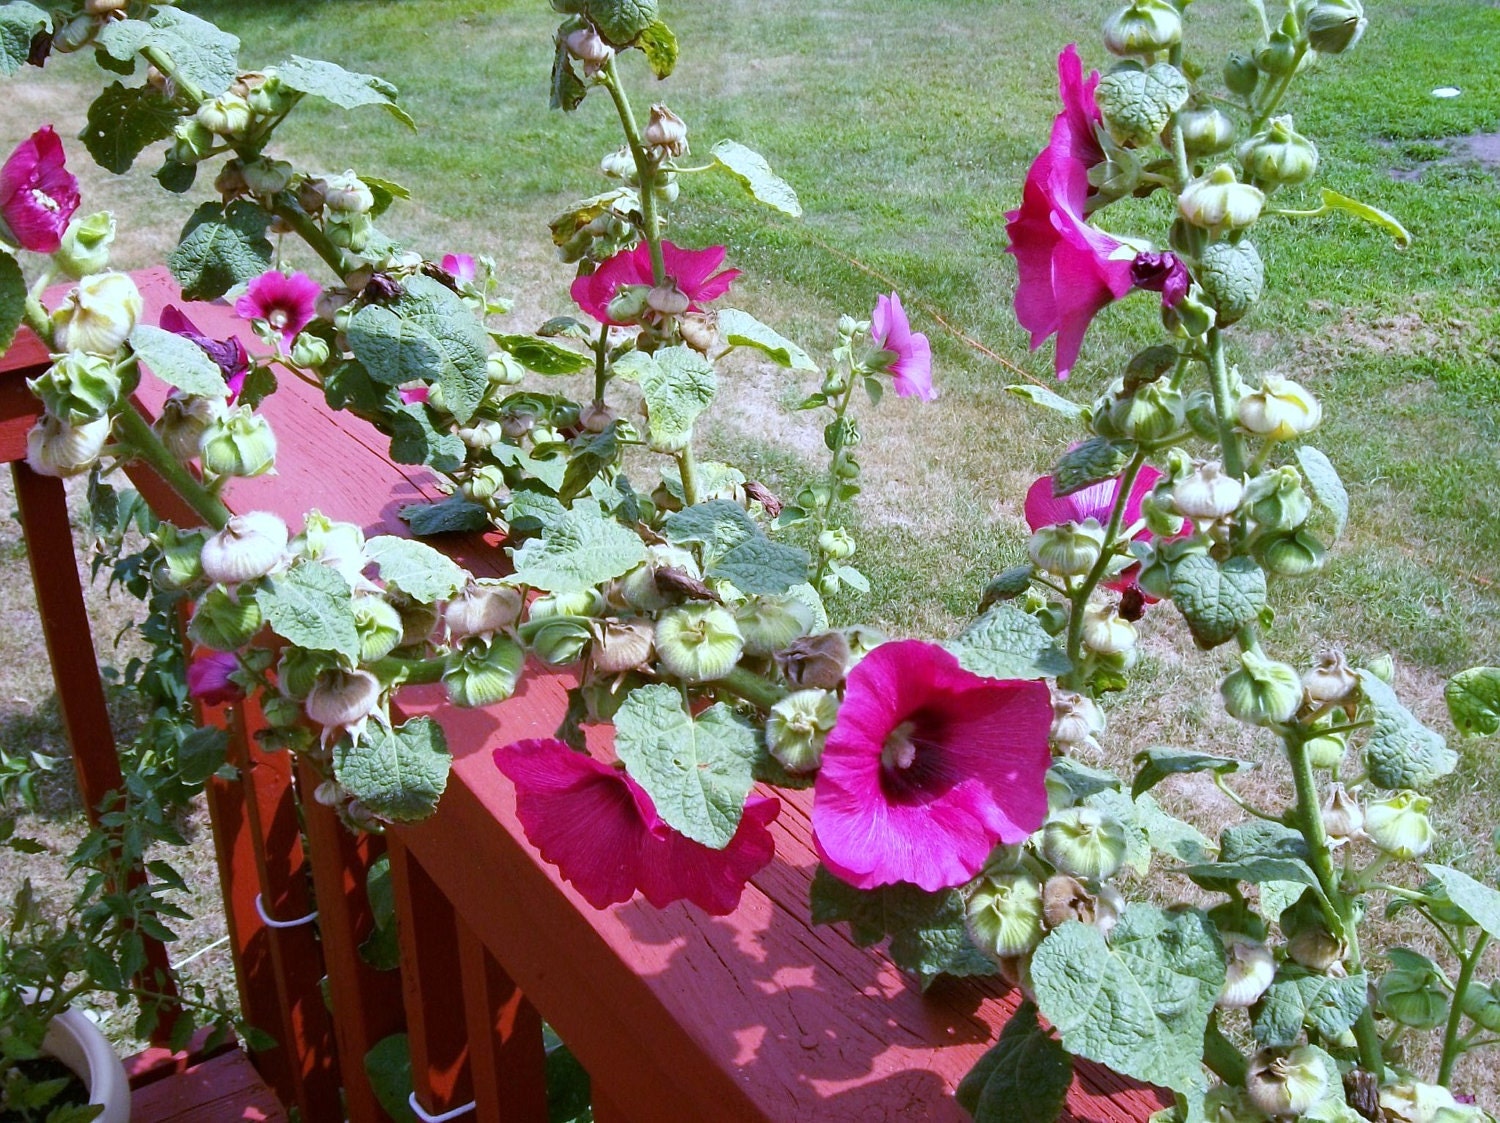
(911, 368)
(928, 768)
(601, 830)
(461, 266)
(38, 194)
(1096, 501)
(208, 677)
(229, 354)
(1074, 130)
(693, 272)
(288, 304)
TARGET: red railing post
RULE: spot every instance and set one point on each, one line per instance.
(506, 1055)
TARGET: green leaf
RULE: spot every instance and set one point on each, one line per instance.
(202, 53)
(1217, 600)
(310, 606)
(415, 568)
(1040, 395)
(1140, 1003)
(427, 335)
(1327, 488)
(454, 515)
(385, 192)
(1137, 104)
(1082, 780)
(1172, 836)
(1159, 762)
(1091, 462)
(1401, 751)
(756, 176)
(678, 384)
(178, 361)
(1023, 1078)
(1477, 899)
(1255, 870)
(388, 1065)
(123, 120)
(1473, 696)
(714, 478)
(579, 551)
(415, 440)
(1008, 643)
(399, 773)
(541, 356)
(19, 23)
(696, 772)
(1332, 200)
(532, 509)
(221, 247)
(12, 299)
(1261, 838)
(568, 90)
(740, 329)
(1329, 1005)
(761, 566)
(717, 526)
(659, 46)
(599, 452)
(346, 89)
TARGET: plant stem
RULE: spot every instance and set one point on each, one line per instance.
(185, 87)
(601, 365)
(833, 477)
(1179, 146)
(1220, 1055)
(1466, 969)
(410, 671)
(145, 445)
(288, 211)
(687, 468)
(1080, 595)
(1229, 440)
(1278, 91)
(645, 170)
(752, 688)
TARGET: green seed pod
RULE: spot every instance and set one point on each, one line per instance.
(85, 245)
(249, 546)
(1414, 992)
(770, 623)
(1003, 914)
(481, 609)
(178, 566)
(1241, 75)
(816, 662)
(265, 176)
(1219, 203)
(1315, 948)
(837, 543)
(378, 625)
(1327, 750)
(1334, 26)
(1085, 843)
(1332, 680)
(1261, 691)
(1287, 1081)
(346, 194)
(191, 141)
(1291, 555)
(1143, 28)
(1233, 279)
(238, 443)
(227, 115)
(97, 315)
(798, 725)
(1276, 500)
(309, 351)
(1150, 413)
(1277, 56)
(485, 673)
(1398, 825)
(557, 640)
(1250, 969)
(225, 624)
(183, 421)
(298, 669)
(1069, 549)
(1278, 156)
(78, 387)
(1482, 1005)
(1205, 132)
(638, 588)
(589, 602)
(698, 642)
(342, 701)
(1106, 632)
(1207, 494)
(1280, 410)
(1411, 1102)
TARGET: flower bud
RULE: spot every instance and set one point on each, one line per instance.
(1241, 75)
(298, 669)
(1218, 202)
(1287, 1081)
(338, 545)
(666, 134)
(239, 442)
(1233, 278)
(178, 565)
(227, 115)
(588, 602)
(1261, 691)
(1332, 681)
(837, 543)
(1315, 948)
(1276, 500)
(1277, 56)
(817, 662)
(378, 625)
(482, 609)
(621, 645)
(629, 304)
(619, 164)
(1343, 818)
(1327, 750)
(346, 194)
(308, 351)
(225, 623)
(1150, 413)
(1414, 992)
(78, 387)
(1205, 132)
(1482, 1005)
(770, 623)
(1207, 494)
(1249, 969)
(698, 642)
(1077, 721)
(1143, 28)
(589, 48)
(1398, 825)
(251, 545)
(183, 421)
(85, 245)
(1004, 914)
(1069, 549)
(668, 299)
(797, 727)
(1106, 632)
(55, 448)
(1191, 316)
(1281, 410)
(558, 641)
(1084, 843)
(1278, 156)
(1334, 26)
(485, 674)
(343, 701)
(98, 315)
(350, 232)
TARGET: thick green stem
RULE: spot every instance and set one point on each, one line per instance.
(687, 468)
(145, 445)
(159, 59)
(645, 170)
(1277, 92)
(294, 216)
(1080, 595)
(826, 512)
(601, 364)
(1229, 440)
(1179, 146)
(752, 688)
(1451, 1050)
(411, 672)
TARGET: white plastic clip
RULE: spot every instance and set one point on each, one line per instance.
(270, 923)
(416, 1109)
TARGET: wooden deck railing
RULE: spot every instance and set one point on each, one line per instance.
(677, 1016)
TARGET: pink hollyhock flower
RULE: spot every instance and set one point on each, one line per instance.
(414, 395)
(461, 266)
(602, 832)
(288, 304)
(1164, 273)
(38, 194)
(1074, 134)
(229, 354)
(928, 767)
(1094, 502)
(208, 678)
(691, 270)
(891, 331)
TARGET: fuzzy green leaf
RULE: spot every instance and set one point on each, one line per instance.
(579, 551)
(568, 90)
(1091, 462)
(541, 356)
(19, 23)
(756, 177)
(399, 773)
(202, 53)
(1023, 1078)
(1159, 762)
(123, 120)
(415, 568)
(620, 21)
(415, 440)
(12, 300)
(1082, 780)
(1327, 488)
(678, 384)
(454, 515)
(1008, 643)
(1401, 751)
(1329, 1005)
(1137, 104)
(1257, 871)
(1217, 600)
(1172, 836)
(310, 606)
(717, 526)
(1473, 696)
(659, 46)
(1040, 395)
(1477, 899)
(1139, 1003)
(221, 247)
(178, 361)
(697, 772)
(344, 88)
(761, 566)
(740, 329)
(1333, 201)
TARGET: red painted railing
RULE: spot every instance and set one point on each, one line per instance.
(676, 1015)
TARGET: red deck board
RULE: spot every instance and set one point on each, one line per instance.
(225, 1089)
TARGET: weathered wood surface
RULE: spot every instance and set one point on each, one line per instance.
(224, 1089)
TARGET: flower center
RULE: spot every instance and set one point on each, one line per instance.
(278, 318)
(899, 751)
(45, 201)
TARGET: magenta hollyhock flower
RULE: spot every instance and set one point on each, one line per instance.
(928, 767)
(38, 194)
(691, 270)
(414, 395)
(1096, 501)
(461, 266)
(1164, 273)
(891, 331)
(288, 304)
(208, 678)
(1074, 130)
(229, 354)
(601, 830)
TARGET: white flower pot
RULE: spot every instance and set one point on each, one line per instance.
(76, 1041)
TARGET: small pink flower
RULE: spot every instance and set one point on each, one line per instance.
(208, 678)
(230, 354)
(1096, 501)
(414, 395)
(891, 331)
(38, 194)
(1164, 273)
(461, 266)
(288, 304)
(928, 767)
(602, 832)
(691, 270)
